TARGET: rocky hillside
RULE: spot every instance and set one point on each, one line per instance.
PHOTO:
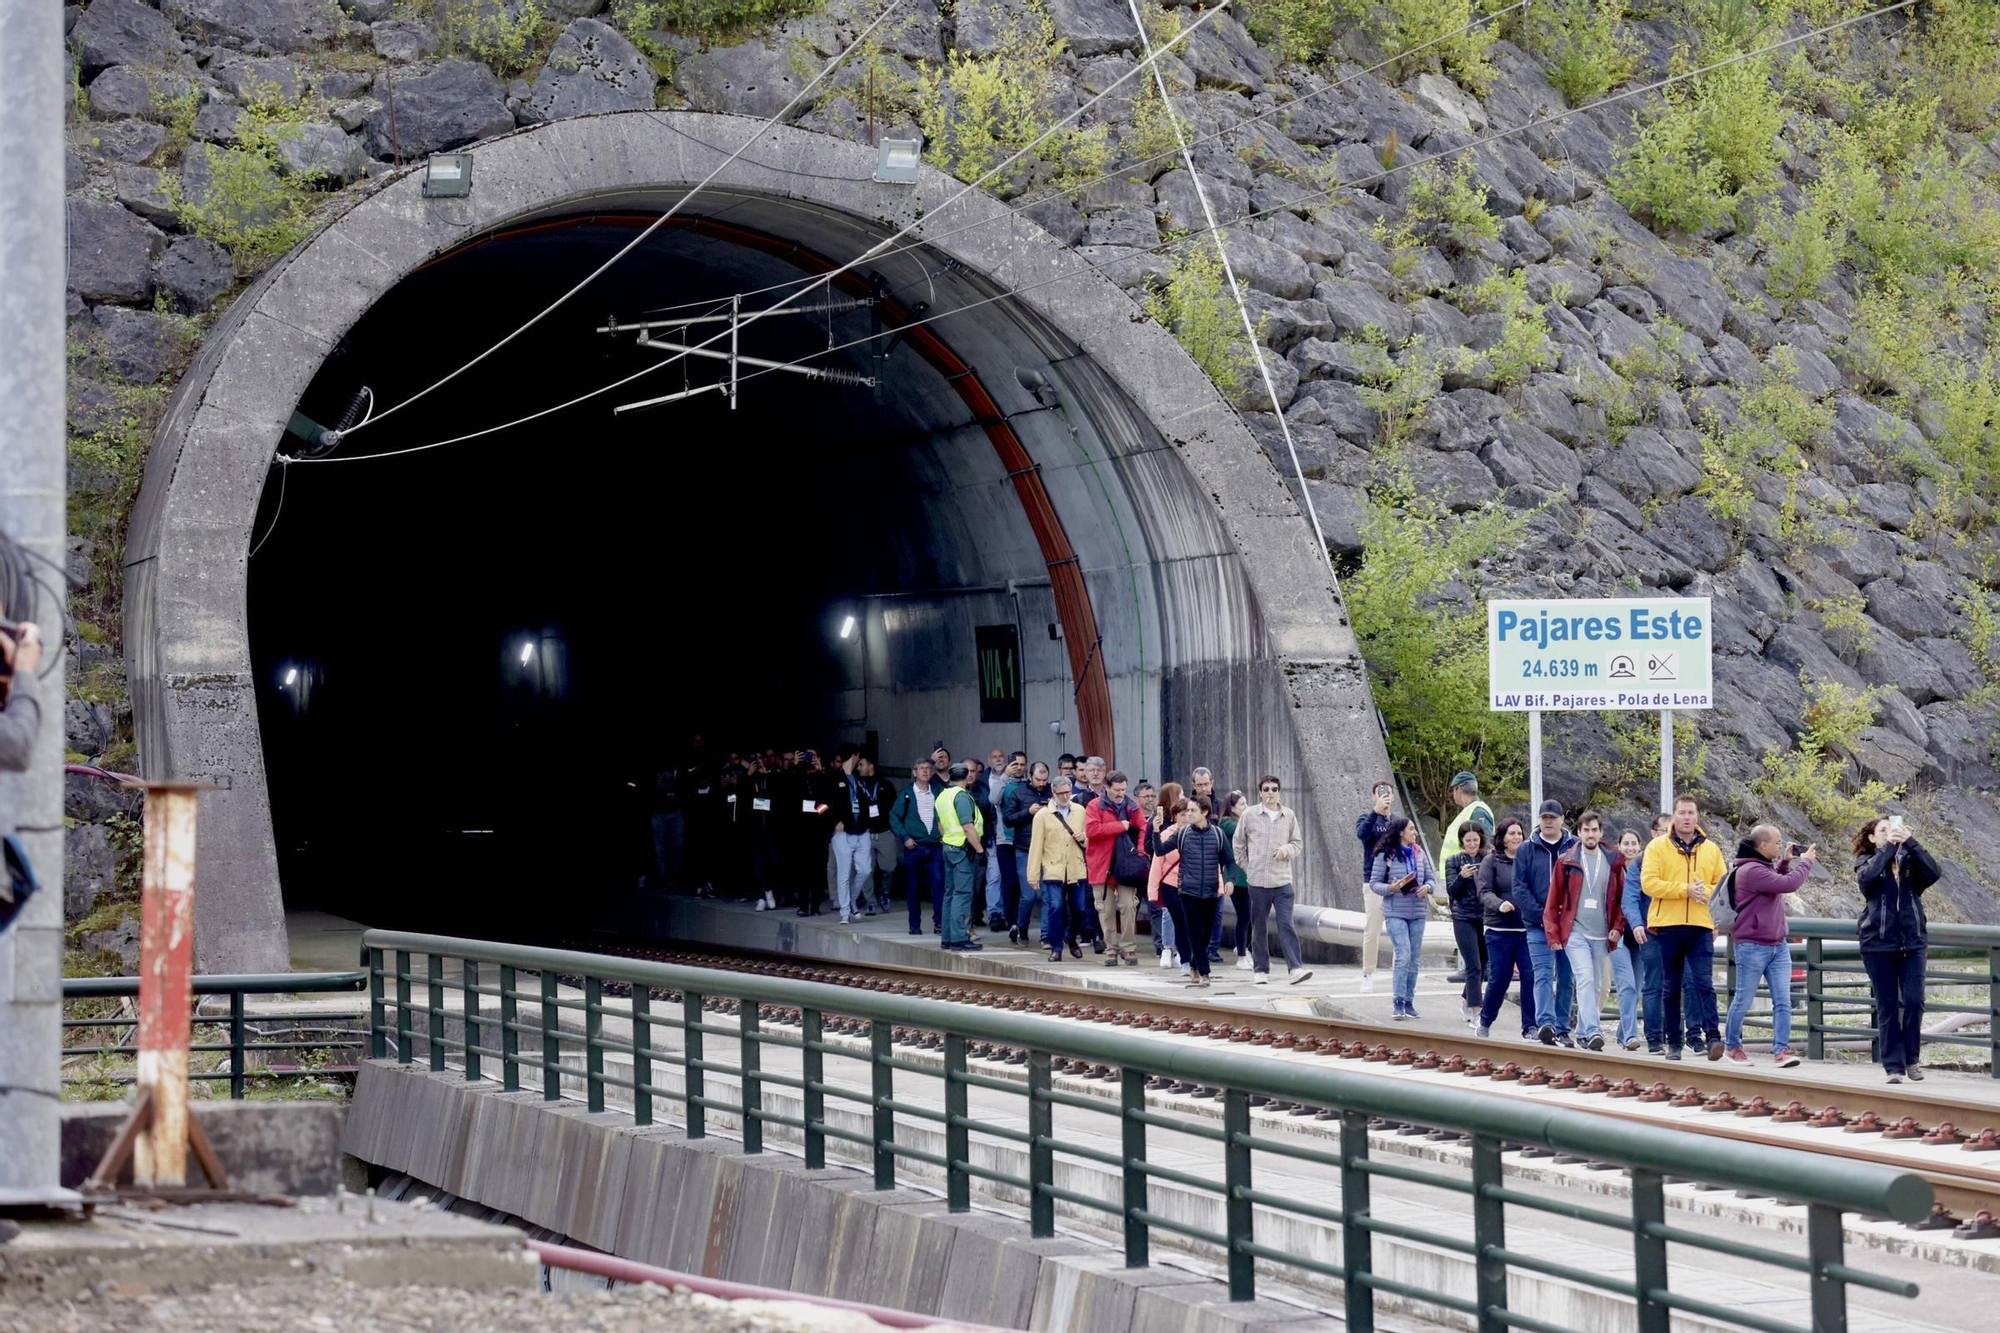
(1531, 333)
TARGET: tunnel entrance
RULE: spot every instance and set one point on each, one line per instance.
(1042, 459)
(528, 625)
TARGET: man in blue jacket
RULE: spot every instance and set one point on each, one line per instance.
(1534, 870)
(1652, 981)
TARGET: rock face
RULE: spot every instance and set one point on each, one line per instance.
(123, 32)
(110, 252)
(591, 68)
(277, 25)
(440, 107)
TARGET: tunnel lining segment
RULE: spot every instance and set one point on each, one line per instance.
(187, 633)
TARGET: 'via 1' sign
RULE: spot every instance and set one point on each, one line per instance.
(1610, 652)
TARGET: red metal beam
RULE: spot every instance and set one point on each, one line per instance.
(1072, 594)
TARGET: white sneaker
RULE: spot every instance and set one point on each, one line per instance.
(1263, 979)
(847, 921)
(770, 901)
(1367, 983)
(1243, 963)
(1294, 975)
(1168, 958)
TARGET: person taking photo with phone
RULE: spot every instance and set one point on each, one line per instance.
(1894, 871)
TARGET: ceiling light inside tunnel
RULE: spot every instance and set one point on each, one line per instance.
(527, 651)
(292, 676)
(847, 628)
(897, 161)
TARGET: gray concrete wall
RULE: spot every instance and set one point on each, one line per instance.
(1160, 485)
(266, 1147)
(703, 1206)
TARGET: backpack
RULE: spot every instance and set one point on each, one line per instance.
(1722, 904)
(1129, 865)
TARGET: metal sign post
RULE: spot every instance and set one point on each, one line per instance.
(1534, 759)
(1666, 759)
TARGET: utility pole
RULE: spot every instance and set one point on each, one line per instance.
(32, 66)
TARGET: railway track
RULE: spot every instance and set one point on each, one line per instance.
(1954, 1142)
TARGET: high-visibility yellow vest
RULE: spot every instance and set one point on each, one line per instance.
(949, 828)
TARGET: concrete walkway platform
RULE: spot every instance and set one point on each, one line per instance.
(1333, 991)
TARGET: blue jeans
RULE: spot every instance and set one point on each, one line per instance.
(1506, 953)
(1555, 992)
(1626, 982)
(1687, 958)
(1029, 895)
(961, 869)
(1082, 915)
(923, 877)
(1587, 959)
(1055, 913)
(1407, 934)
(1652, 986)
(1773, 963)
(1162, 922)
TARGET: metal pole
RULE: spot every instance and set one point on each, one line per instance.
(1534, 759)
(33, 71)
(166, 980)
(1666, 759)
(735, 327)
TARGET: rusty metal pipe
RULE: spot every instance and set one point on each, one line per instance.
(166, 969)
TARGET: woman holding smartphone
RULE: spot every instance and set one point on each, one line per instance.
(1895, 943)
(1402, 877)
(1467, 916)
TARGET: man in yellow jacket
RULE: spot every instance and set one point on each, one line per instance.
(1056, 867)
(1680, 873)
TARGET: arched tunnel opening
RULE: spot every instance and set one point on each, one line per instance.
(470, 660)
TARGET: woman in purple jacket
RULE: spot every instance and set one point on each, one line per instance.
(1767, 868)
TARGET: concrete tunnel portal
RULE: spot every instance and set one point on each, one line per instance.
(426, 692)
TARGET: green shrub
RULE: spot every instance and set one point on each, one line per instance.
(1447, 205)
(1740, 114)
(1585, 42)
(1957, 50)
(1195, 303)
(1667, 175)
(1524, 345)
(1427, 660)
(1814, 775)
(1892, 335)
(1400, 387)
(708, 21)
(1403, 25)
(509, 43)
(1805, 248)
(977, 111)
(1776, 423)
(1301, 30)
(1929, 216)
(1845, 619)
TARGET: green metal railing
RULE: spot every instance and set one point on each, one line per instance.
(1836, 984)
(242, 1041)
(511, 1002)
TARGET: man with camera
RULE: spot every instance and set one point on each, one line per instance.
(1767, 868)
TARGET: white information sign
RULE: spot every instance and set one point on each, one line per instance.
(1557, 653)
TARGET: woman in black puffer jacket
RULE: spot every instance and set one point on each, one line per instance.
(1467, 916)
(1895, 942)
(1506, 930)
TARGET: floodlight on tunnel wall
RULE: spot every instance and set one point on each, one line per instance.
(527, 651)
(448, 176)
(847, 628)
(896, 161)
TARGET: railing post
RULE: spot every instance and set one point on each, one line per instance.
(403, 1052)
(1356, 1243)
(1815, 998)
(434, 1011)
(884, 1090)
(1236, 1193)
(236, 1051)
(468, 990)
(957, 1137)
(378, 1012)
(642, 1055)
(1649, 1250)
(1041, 1148)
(1489, 1231)
(753, 1086)
(510, 1037)
(551, 1039)
(1132, 1097)
(593, 1050)
(692, 1081)
(1823, 1251)
(1993, 1012)
(814, 1068)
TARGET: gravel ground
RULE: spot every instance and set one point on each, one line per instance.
(326, 1305)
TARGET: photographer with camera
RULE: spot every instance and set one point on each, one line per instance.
(1767, 868)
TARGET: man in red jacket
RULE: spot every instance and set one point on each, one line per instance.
(1585, 920)
(1106, 821)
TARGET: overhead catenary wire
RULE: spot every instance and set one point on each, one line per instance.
(1236, 295)
(1116, 173)
(775, 118)
(1014, 293)
(825, 278)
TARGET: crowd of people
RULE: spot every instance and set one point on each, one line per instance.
(987, 843)
(1563, 917)
(1572, 914)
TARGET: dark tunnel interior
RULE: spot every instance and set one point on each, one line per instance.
(464, 655)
